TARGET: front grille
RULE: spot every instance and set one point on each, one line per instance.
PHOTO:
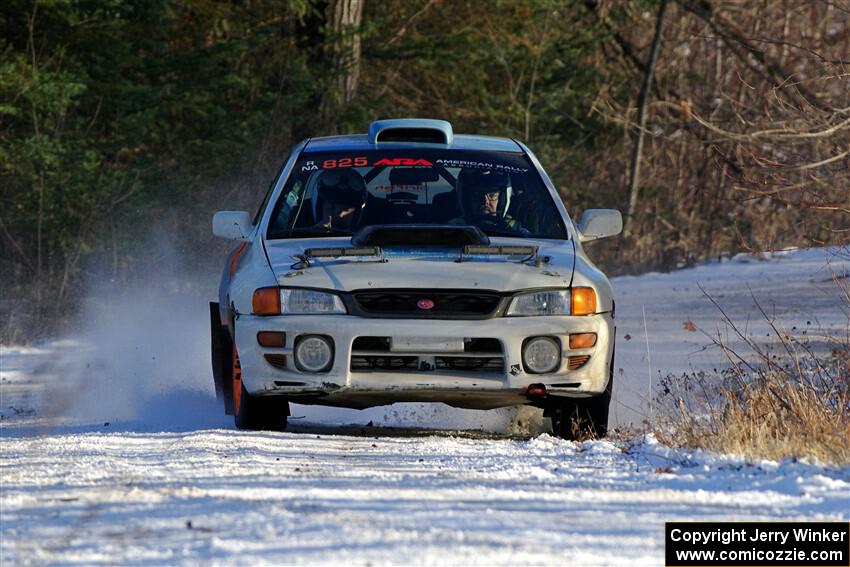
(373, 354)
(446, 304)
(365, 363)
(483, 364)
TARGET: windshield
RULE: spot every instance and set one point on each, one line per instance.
(340, 193)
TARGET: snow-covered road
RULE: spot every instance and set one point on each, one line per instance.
(313, 497)
(125, 458)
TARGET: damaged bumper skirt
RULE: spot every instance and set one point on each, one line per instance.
(475, 364)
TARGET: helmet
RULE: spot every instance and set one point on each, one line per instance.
(473, 184)
(343, 186)
(339, 190)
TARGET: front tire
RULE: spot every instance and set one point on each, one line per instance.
(581, 419)
(266, 413)
(584, 418)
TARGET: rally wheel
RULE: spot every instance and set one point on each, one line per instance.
(584, 418)
(267, 413)
(581, 419)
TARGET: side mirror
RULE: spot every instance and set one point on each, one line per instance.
(233, 225)
(599, 223)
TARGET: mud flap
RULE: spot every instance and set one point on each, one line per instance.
(221, 349)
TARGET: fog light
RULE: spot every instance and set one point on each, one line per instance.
(541, 355)
(313, 353)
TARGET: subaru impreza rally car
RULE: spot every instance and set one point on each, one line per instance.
(410, 264)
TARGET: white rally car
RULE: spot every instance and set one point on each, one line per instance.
(410, 264)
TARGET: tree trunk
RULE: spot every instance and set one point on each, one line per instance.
(343, 19)
(643, 99)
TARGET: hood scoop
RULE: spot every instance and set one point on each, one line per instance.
(420, 235)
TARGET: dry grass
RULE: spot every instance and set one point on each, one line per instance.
(769, 419)
(788, 399)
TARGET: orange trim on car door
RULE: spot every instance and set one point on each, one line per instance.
(237, 382)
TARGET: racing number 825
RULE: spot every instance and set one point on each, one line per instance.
(345, 162)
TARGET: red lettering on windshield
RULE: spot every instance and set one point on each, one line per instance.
(343, 162)
(402, 161)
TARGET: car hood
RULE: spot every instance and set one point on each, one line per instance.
(411, 268)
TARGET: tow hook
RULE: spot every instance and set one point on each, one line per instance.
(536, 391)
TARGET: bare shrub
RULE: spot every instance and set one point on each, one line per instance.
(786, 399)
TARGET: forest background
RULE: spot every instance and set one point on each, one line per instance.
(715, 126)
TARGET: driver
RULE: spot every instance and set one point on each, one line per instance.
(340, 198)
(484, 194)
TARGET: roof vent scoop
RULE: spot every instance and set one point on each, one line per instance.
(419, 130)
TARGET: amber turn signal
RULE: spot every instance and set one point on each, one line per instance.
(271, 339)
(582, 340)
(582, 301)
(266, 301)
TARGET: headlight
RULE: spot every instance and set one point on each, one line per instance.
(577, 301)
(540, 303)
(309, 302)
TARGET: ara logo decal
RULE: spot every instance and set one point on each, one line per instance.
(425, 304)
(402, 161)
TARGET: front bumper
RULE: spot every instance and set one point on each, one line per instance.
(340, 386)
